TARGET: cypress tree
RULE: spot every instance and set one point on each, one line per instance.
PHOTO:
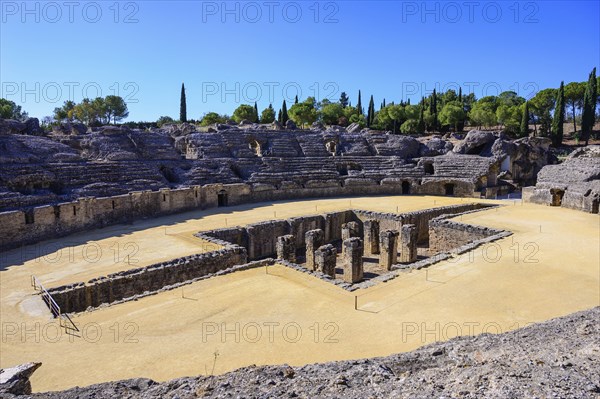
(371, 112)
(588, 116)
(460, 94)
(384, 103)
(421, 125)
(279, 116)
(256, 112)
(433, 110)
(284, 114)
(344, 99)
(182, 106)
(408, 102)
(524, 128)
(559, 116)
(296, 100)
(359, 105)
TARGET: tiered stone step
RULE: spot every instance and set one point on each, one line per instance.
(312, 145)
(135, 144)
(213, 171)
(393, 145)
(80, 174)
(354, 144)
(300, 170)
(465, 167)
(238, 144)
(209, 145)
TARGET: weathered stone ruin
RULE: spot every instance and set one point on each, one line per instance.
(314, 240)
(408, 240)
(574, 184)
(240, 248)
(371, 234)
(325, 260)
(286, 248)
(352, 260)
(350, 230)
(75, 179)
(388, 246)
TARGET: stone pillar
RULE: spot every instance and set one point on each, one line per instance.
(314, 239)
(408, 241)
(325, 259)
(353, 262)
(349, 230)
(286, 248)
(371, 228)
(388, 247)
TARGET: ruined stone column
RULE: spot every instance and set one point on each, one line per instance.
(408, 241)
(350, 230)
(314, 239)
(353, 262)
(325, 259)
(286, 248)
(371, 228)
(388, 247)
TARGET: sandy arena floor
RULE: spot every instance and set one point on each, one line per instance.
(549, 267)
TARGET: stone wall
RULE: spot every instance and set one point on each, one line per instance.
(136, 282)
(573, 184)
(260, 239)
(421, 218)
(24, 227)
(446, 235)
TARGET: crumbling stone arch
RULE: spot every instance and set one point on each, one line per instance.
(428, 168)
(255, 146)
(557, 196)
(331, 147)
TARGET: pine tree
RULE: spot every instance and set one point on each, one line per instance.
(284, 113)
(256, 112)
(359, 105)
(559, 116)
(344, 99)
(524, 129)
(371, 112)
(588, 117)
(182, 106)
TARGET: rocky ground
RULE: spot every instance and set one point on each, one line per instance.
(557, 358)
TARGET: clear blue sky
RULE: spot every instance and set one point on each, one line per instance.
(224, 51)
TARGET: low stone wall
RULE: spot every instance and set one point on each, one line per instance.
(133, 283)
(421, 218)
(583, 197)
(579, 196)
(32, 225)
(260, 239)
(446, 235)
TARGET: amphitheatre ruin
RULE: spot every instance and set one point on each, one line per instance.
(154, 255)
